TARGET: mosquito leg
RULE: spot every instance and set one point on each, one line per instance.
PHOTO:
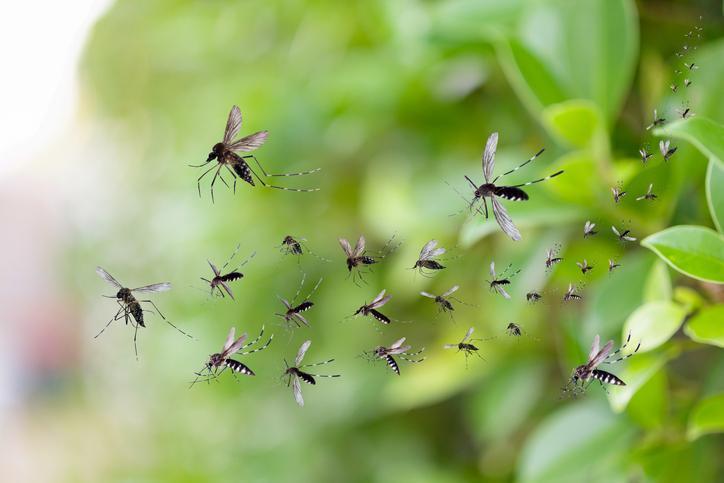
(154, 306)
(266, 185)
(249, 344)
(519, 166)
(258, 348)
(198, 181)
(233, 176)
(115, 317)
(135, 345)
(200, 165)
(317, 363)
(283, 174)
(485, 205)
(216, 175)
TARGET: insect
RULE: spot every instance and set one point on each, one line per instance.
(673, 88)
(623, 235)
(649, 195)
(612, 265)
(297, 246)
(426, 260)
(584, 266)
(497, 283)
(551, 258)
(293, 312)
(685, 112)
(645, 154)
(443, 301)
(666, 151)
(225, 154)
(588, 372)
(357, 258)
(533, 296)
(571, 294)
(465, 346)
(691, 66)
(490, 190)
(220, 282)
(687, 82)
(294, 373)
(130, 307)
(398, 349)
(658, 121)
(588, 229)
(371, 308)
(221, 360)
(618, 193)
(514, 329)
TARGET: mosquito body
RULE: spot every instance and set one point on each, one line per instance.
(673, 88)
(514, 330)
(386, 353)
(356, 257)
(618, 193)
(691, 66)
(589, 229)
(588, 372)
(296, 373)
(552, 256)
(426, 260)
(666, 150)
(371, 308)
(612, 265)
(490, 190)
(645, 154)
(220, 281)
(226, 157)
(297, 246)
(130, 307)
(293, 313)
(533, 296)
(497, 284)
(571, 294)
(220, 361)
(658, 121)
(444, 301)
(649, 195)
(623, 235)
(687, 82)
(685, 113)
(584, 266)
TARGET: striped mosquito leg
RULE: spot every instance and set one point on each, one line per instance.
(249, 344)
(539, 180)
(258, 348)
(519, 166)
(628, 339)
(317, 364)
(301, 173)
(267, 185)
(412, 361)
(326, 375)
(415, 353)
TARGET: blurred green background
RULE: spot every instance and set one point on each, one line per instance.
(391, 99)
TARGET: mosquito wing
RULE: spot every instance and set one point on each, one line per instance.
(428, 295)
(108, 277)
(344, 243)
(452, 289)
(594, 347)
(399, 350)
(492, 269)
(302, 350)
(233, 124)
(228, 290)
(229, 339)
(380, 300)
(602, 354)
(397, 343)
(250, 142)
(468, 334)
(450, 346)
(502, 291)
(359, 247)
(297, 390)
(213, 267)
(503, 219)
(615, 231)
(156, 287)
(236, 345)
(664, 147)
(437, 252)
(489, 156)
(426, 251)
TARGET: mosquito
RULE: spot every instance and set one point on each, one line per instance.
(296, 373)
(666, 151)
(398, 349)
(612, 265)
(623, 235)
(297, 246)
(658, 121)
(371, 308)
(514, 330)
(443, 301)
(490, 190)
(587, 373)
(673, 88)
(571, 294)
(426, 260)
(589, 229)
(618, 193)
(293, 312)
(130, 307)
(497, 283)
(649, 195)
(584, 266)
(691, 66)
(220, 281)
(225, 154)
(533, 296)
(551, 258)
(221, 360)
(645, 154)
(687, 82)
(357, 258)
(685, 112)
(466, 346)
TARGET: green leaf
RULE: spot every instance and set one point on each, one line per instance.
(653, 324)
(707, 417)
(638, 371)
(649, 405)
(707, 326)
(705, 134)
(715, 192)
(575, 122)
(658, 283)
(689, 298)
(695, 251)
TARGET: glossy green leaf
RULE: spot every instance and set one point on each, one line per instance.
(692, 250)
(638, 371)
(649, 404)
(715, 192)
(707, 417)
(705, 134)
(575, 122)
(658, 283)
(653, 324)
(707, 326)
(689, 298)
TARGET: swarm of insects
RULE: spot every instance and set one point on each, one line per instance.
(533, 296)
(370, 309)
(571, 294)
(645, 154)
(426, 260)
(552, 256)
(293, 313)
(587, 373)
(658, 121)
(386, 353)
(225, 154)
(443, 301)
(623, 235)
(130, 307)
(584, 266)
(297, 246)
(496, 283)
(221, 360)
(220, 281)
(490, 190)
(666, 151)
(612, 265)
(618, 193)
(589, 229)
(294, 373)
(649, 195)
(466, 346)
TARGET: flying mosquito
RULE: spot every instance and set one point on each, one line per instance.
(426, 260)
(398, 349)
(623, 235)
(685, 112)
(371, 308)
(295, 373)
(497, 283)
(612, 265)
(665, 150)
(130, 307)
(673, 88)
(645, 154)
(551, 256)
(221, 360)
(443, 301)
(658, 121)
(533, 296)
(649, 195)
(220, 281)
(584, 266)
(618, 193)
(687, 82)
(587, 373)
(490, 190)
(466, 346)
(225, 154)
(357, 258)
(297, 246)
(293, 312)
(589, 229)
(691, 66)
(571, 294)
(514, 330)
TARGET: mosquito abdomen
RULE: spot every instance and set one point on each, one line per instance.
(393, 364)
(510, 193)
(239, 367)
(607, 378)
